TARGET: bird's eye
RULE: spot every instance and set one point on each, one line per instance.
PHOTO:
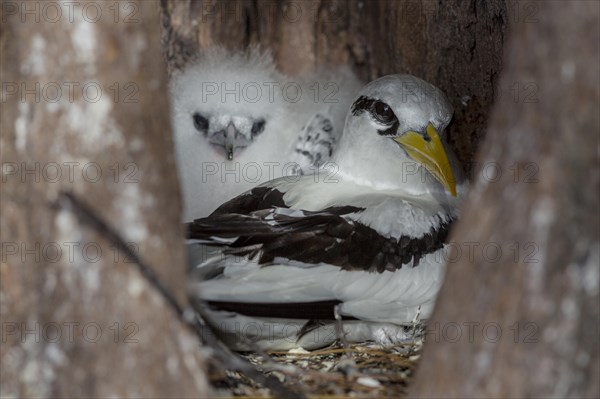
(258, 127)
(200, 122)
(383, 113)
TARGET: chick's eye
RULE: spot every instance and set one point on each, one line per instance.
(258, 127)
(383, 113)
(200, 122)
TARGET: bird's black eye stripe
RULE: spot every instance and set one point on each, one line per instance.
(258, 127)
(200, 122)
(380, 111)
(390, 131)
(362, 104)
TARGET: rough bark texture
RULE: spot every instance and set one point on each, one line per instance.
(533, 307)
(78, 320)
(456, 44)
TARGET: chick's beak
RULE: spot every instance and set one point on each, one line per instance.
(229, 139)
(230, 136)
(428, 151)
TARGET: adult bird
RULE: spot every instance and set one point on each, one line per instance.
(238, 122)
(361, 244)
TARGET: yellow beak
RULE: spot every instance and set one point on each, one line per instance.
(430, 154)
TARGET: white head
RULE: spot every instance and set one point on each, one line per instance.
(392, 139)
(224, 102)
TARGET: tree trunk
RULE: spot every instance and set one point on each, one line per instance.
(457, 45)
(518, 314)
(84, 111)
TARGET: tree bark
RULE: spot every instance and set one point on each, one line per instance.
(518, 313)
(84, 111)
(456, 45)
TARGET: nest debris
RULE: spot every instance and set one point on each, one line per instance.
(359, 371)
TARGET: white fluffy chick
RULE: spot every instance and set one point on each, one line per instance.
(239, 122)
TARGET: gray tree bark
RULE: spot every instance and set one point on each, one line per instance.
(518, 314)
(84, 111)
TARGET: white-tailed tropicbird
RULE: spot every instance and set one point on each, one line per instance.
(238, 122)
(363, 240)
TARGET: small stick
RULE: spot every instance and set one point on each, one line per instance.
(187, 314)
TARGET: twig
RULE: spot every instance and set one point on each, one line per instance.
(187, 315)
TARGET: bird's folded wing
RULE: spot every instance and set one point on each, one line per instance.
(329, 237)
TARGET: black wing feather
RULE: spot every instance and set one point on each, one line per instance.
(327, 236)
(320, 310)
